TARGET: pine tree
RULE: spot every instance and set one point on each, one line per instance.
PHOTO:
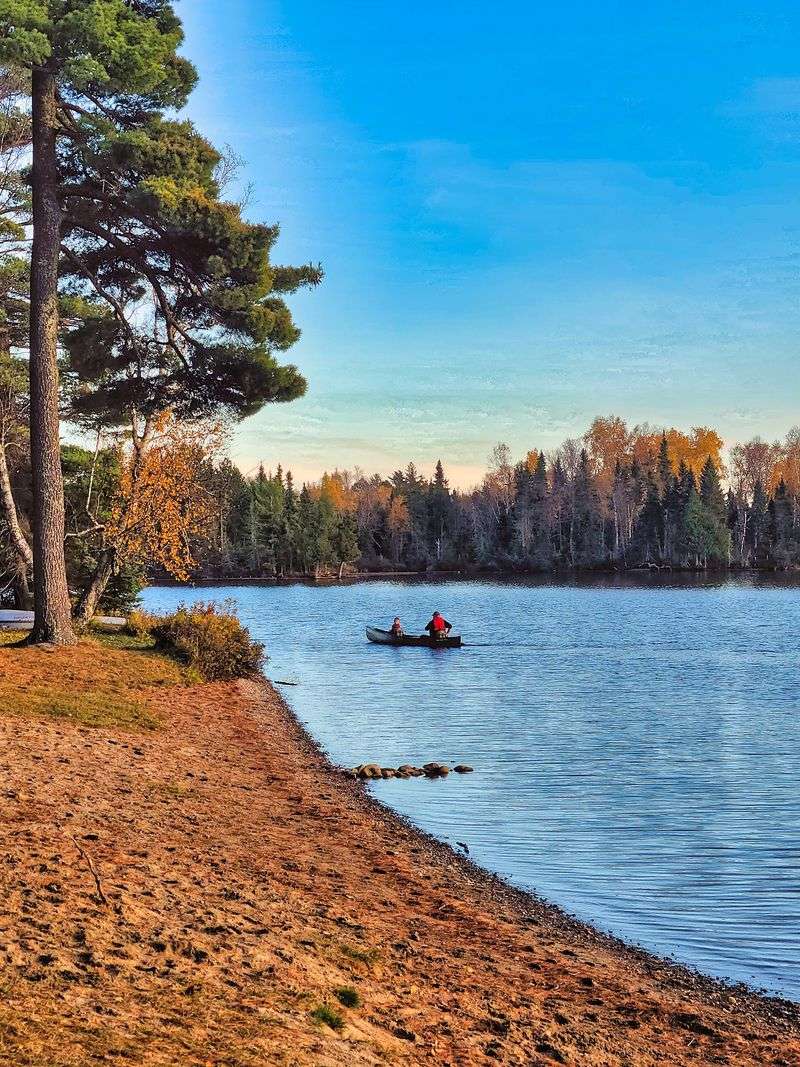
(664, 467)
(307, 542)
(785, 549)
(185, 311)
(111, 59)
(539, 500)
(346, 539)
(559, 509)
(522, 512)
(288, 539)
(647, 542)
(439, 506)
(705, 537)
(620, 508)
(737, 521)
(194, 314)
(711, 491)
(586, 529)
(758, 535)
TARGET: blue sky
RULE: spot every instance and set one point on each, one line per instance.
(528, 215)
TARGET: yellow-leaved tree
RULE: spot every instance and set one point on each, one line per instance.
(692, 449)
(161, 504)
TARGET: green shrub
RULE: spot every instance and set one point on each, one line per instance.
(329, 1016)
(210, 638)
(347, 996)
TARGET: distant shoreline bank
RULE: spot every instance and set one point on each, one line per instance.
(637, 578)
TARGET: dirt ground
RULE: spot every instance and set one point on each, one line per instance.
(211, 892)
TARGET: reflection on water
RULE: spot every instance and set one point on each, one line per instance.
(636, 749)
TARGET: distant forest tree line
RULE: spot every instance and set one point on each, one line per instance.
(612, 499)
(615, 498)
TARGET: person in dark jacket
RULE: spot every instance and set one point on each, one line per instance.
(438, 627)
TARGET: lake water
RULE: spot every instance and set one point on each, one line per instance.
(636, 749)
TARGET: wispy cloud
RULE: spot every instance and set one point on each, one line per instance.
(769, 96)
(524, 199)
(771, 106)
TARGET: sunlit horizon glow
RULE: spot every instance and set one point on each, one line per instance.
(525, 222)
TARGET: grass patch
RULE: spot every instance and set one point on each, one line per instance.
(362, 955)
(11, 637)
(174, 789)
(328, 1016)
(87, 709)
(103, 681)
(347, 996)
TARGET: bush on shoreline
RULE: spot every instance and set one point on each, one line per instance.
(210, 638)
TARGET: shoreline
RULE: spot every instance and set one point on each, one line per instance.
(633, 578)
(259, 907)
(682, 976)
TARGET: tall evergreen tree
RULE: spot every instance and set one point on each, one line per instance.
(215, 314)
(586, 530)
(439, 512)
(539, 502)
(758, 536)
(345, 541)
(559, 508)
(648, 534)
(705, 538)
(113, 59)
(711, 492)
(288, 541)
(664, 466)
(784, 546)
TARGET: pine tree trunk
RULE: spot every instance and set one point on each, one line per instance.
(52, 622)
(97, 585)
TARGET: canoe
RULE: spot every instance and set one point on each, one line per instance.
(384, 637)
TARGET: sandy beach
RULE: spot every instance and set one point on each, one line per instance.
(213, 892)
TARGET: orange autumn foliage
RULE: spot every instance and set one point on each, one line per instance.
(693, 448)
(336, 489)
(530, 461)
(161, 504)
(398, 517)
(787, 464)
(609, 440)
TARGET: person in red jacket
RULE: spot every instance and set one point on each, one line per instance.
(438, 627)
(397, 629)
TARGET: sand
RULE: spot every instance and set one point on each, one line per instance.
(195, 895)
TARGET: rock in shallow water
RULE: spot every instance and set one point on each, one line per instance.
(374, 771)
(368, 770)
(435, 770)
